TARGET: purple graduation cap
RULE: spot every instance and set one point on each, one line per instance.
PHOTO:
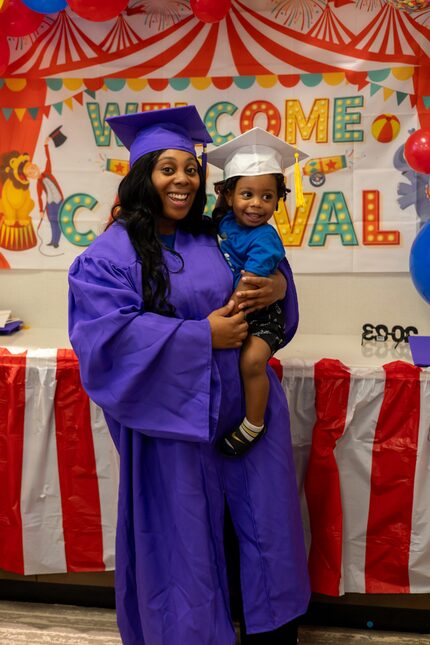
(175, 128)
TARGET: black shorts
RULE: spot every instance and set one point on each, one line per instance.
(268, 324)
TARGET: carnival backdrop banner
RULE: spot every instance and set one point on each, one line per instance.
(346, 83)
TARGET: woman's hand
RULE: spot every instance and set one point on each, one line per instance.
(228, 332)
(262, 293)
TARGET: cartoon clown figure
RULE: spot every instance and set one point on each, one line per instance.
(49, 193)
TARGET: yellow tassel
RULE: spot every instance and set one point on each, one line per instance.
(298, 188)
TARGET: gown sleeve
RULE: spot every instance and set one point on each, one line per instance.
(289, 303)
(148, 372)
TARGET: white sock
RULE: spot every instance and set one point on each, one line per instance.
(249, 430)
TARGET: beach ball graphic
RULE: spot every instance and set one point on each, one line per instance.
(385, 128)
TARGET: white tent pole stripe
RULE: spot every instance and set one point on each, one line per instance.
(353, 455)
(299, 386)
(107, 464)
(41, 512)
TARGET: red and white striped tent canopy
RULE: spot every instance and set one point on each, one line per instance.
(246, 42)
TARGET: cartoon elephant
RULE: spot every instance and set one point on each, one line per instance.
(416, 192)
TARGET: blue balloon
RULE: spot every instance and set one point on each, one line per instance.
(419, 262)
(46, 6)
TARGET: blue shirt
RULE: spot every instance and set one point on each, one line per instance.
(168, 240)
(255, 249)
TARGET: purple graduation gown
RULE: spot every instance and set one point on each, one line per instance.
(168, 397)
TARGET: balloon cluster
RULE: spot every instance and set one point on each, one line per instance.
(417, 155)
(16, 19)
(409, 5)
(22, 17)
(419, 262)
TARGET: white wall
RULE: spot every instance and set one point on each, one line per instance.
(329, 304)
(38, 297)
(341, 304)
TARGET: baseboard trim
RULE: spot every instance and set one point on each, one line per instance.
(319, 613)
(393, 619)
(47, 592)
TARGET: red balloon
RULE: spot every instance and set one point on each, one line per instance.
(97, 10)
(18, 20)
(210, 10)
(417, 151)
(4, 54)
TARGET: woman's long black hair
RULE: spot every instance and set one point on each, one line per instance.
(222, 188)
(137, 208)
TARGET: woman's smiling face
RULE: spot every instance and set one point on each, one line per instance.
(176, 179)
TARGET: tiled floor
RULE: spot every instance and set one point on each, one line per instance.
(41, 624)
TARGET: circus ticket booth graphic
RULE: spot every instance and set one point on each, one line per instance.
(316, 169)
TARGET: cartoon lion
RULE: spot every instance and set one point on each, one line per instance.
(16, 228)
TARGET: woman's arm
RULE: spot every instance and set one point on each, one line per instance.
(254, 292)
(288, 301)
(149, 372)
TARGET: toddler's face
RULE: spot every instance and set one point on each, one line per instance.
(254, 200)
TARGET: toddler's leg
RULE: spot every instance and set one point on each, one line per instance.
(254, 356)
(253, 360)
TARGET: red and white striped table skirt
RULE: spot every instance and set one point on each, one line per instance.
(58, 468)
(362, 455)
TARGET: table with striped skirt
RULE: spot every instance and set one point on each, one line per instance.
(361, 447)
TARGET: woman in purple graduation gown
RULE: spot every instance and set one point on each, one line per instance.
(158, 351)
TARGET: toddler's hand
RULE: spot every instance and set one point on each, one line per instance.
(262, 292)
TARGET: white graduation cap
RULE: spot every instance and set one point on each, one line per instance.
(255, 152)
